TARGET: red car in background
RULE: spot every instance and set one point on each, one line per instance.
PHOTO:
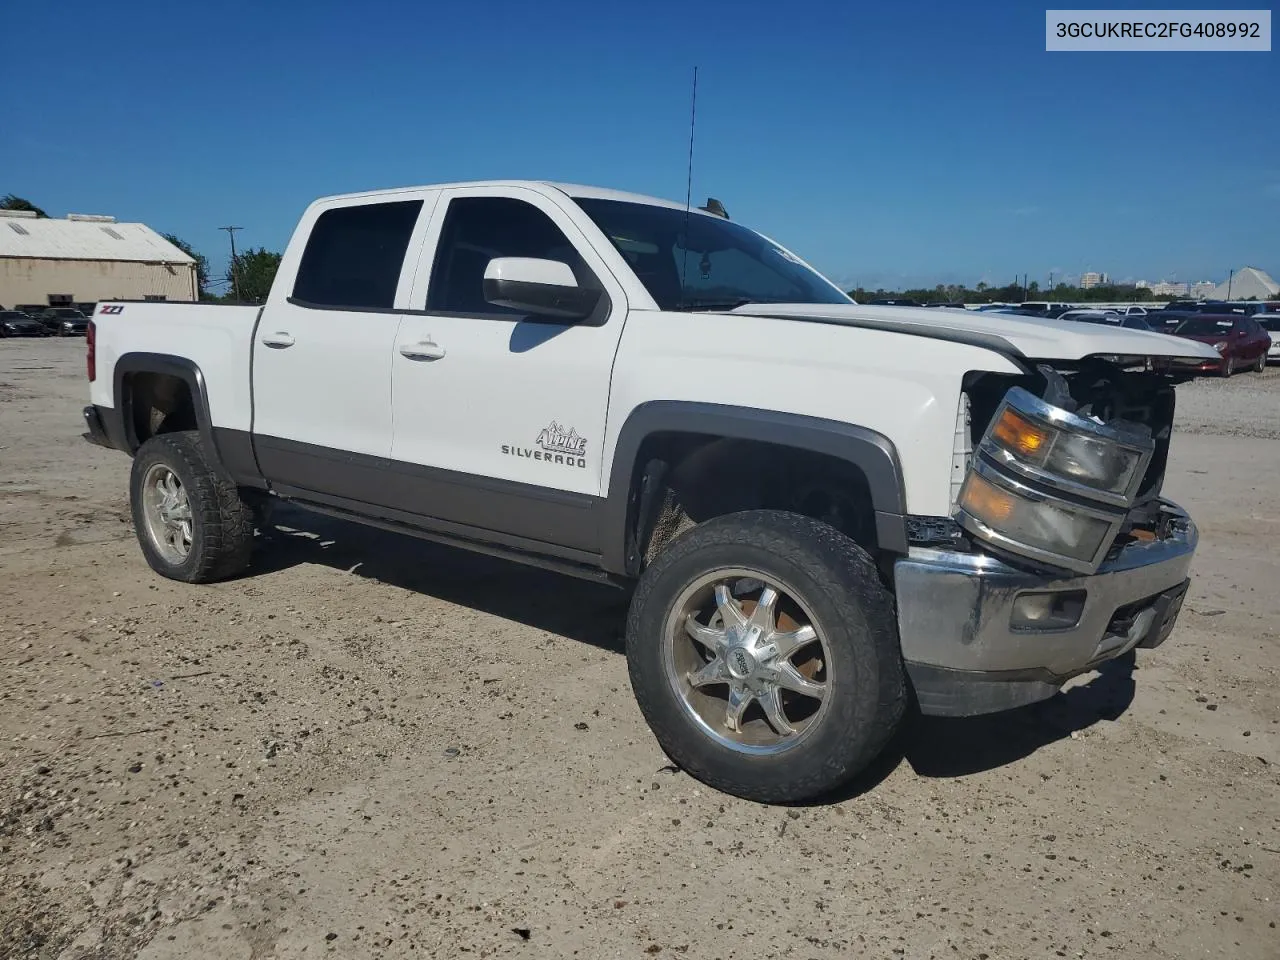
(1241, 342)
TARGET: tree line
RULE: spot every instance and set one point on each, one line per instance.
(1013, 293)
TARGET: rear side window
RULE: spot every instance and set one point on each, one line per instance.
(354, 255)
(477, 229)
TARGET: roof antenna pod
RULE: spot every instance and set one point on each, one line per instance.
(716, 208)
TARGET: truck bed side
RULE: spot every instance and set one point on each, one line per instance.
(216, 339)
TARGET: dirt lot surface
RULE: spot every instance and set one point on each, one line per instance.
(372, 747)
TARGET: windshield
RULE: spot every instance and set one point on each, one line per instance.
(1204, 327)
(723, 263)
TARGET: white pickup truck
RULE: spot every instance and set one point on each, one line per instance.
(820, 507)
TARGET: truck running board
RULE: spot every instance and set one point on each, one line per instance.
(580, 570)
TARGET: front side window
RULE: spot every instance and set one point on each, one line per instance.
(713, 264)
(479, 229)
(354, 255)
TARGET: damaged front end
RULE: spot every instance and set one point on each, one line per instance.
(1066, 468)
(1062, 553)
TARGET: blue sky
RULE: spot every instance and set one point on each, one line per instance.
(889, 144)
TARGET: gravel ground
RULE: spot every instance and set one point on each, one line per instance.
(1246, 405)
(371, 747)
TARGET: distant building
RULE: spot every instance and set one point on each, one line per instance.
(1089, 280)
(1164, 288)
(1202, 290)
(83, 260)
(1247, 283)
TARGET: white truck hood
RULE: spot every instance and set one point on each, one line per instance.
(1029, 337)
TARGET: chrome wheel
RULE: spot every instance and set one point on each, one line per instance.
(747, 661)
(167, 513)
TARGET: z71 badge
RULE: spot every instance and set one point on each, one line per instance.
(557, 445)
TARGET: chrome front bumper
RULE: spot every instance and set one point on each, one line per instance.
(955, 610)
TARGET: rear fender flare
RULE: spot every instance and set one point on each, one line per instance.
(231, 449)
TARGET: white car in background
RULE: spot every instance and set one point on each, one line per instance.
(1270, 320)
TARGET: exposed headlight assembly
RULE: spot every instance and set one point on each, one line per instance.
(1051, 486)
(1040, 448)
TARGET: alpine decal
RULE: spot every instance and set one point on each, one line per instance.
(555, 445)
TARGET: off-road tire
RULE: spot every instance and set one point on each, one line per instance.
(835, 579)
(221, 522)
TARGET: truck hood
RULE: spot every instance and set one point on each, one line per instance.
(1028, 337)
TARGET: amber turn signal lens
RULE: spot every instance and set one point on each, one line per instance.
(985, 501)
(1019, 435)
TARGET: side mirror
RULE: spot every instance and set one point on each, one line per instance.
(544, 288)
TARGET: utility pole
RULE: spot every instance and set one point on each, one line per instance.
(235, 283)
(1230, 277)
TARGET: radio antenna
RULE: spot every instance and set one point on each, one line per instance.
(688, 187)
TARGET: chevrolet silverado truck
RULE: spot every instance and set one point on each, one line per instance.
(821, 509)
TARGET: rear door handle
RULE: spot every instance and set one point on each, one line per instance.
(425, 350)
(279, 340)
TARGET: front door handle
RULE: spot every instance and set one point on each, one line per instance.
(424, 350)
(279, 340)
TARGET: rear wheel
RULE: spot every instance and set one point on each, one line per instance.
(1261, 365)
(189, 517)
(763, 653)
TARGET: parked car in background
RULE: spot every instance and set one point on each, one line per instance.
(1241, 342)
(1166, 321)
(1132, 311)
(64, 321)
(1270, 322)
(1244, 309)
(1109, 317)
(15, 323)
(1045, 308)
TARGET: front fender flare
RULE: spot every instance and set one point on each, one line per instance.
(871, 452)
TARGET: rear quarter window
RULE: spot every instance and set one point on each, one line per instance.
(354, 254)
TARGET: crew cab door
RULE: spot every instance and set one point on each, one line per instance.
(498, 417)
(322, 348)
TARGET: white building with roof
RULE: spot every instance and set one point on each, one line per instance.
(1247, 283)
(85, 259)
(1165, 288)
